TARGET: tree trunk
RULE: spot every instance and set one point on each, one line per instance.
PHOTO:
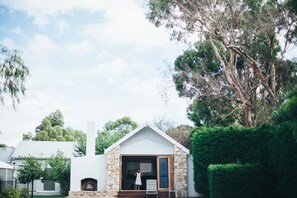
(32, 188)
(248, 117)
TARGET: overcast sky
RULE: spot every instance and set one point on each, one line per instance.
(93, 60)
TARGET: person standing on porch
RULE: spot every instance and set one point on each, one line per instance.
(138, 182)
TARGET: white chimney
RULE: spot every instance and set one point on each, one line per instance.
(91, 138)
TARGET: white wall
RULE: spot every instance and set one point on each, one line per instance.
(88, 167)
(191, 188)
(146, 142)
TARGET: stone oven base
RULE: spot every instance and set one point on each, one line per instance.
(87, 194)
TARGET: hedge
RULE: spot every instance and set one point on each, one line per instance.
(274, 147)
(236, 180)
(226, 145)
(283, 158)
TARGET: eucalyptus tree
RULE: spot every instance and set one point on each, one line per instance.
(243, 37)
(52, 128)
(13, 74)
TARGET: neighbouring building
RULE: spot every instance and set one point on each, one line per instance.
(42, 150)
(146, 148)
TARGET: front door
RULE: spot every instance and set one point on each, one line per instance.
(165, 172)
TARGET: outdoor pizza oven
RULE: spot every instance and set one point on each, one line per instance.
(89, 184)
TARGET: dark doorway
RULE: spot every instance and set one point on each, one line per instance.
(130, 164)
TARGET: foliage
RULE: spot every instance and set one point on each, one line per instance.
(221, 145)
(2, 145)
(112, 132)
(181, 134)
(288, 110)
(11, 192)
(13, 74)
(198, 74)
(59, 171)
(283, 158)
(163, 124)
(121, 126)
(213, 111)
(238, 59)
(52, 129)
(24, 193)
(30, 171)
(27, 136)
(235, 180)
(292, 6)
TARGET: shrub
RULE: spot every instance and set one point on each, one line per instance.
(24, 193)
(283, 149)
(226, 145)
(235, 180)
(11, 193)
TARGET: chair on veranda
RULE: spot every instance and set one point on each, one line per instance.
(151, 188)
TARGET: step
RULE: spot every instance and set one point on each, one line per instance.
(140, 194)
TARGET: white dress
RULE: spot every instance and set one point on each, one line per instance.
(138, 179)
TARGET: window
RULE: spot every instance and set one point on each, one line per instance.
(49, 185)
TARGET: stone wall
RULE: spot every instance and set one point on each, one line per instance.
(87, 194)
(112, 175)
(180, 172)
(113, 171)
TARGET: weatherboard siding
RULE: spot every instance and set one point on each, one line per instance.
(146, 142)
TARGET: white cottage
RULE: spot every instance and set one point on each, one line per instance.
(41, 150)
(158, 156)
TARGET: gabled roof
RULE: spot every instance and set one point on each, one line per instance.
(5, 166)
(43, 149)
(6, 153)
(155, 129)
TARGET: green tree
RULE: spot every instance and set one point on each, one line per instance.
(59, 171)
(27, 136)
(292, 5)
(30, 171)
(111, 132)
(52, 128)
(56, 118)
(121, 126)
(288, 110)
(238, 57)
(181, 134)
(2, 145)
(13, 74)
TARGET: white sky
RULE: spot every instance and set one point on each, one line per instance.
(93, 60)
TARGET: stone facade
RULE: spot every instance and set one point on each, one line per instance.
(87, 194)
(113, 171)
(180, 172)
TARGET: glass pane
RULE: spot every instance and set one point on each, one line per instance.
(163, 174)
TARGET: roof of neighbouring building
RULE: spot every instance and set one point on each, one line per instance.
(43, 149)
(6, 153)
(155, 129)
(4, 165)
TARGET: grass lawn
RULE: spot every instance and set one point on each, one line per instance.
(52, 196)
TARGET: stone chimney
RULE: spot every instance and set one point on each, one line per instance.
(91, 138)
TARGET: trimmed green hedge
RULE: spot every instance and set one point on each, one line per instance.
(235, 180)
(226, 145)
(283, 155)
(274, 147)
